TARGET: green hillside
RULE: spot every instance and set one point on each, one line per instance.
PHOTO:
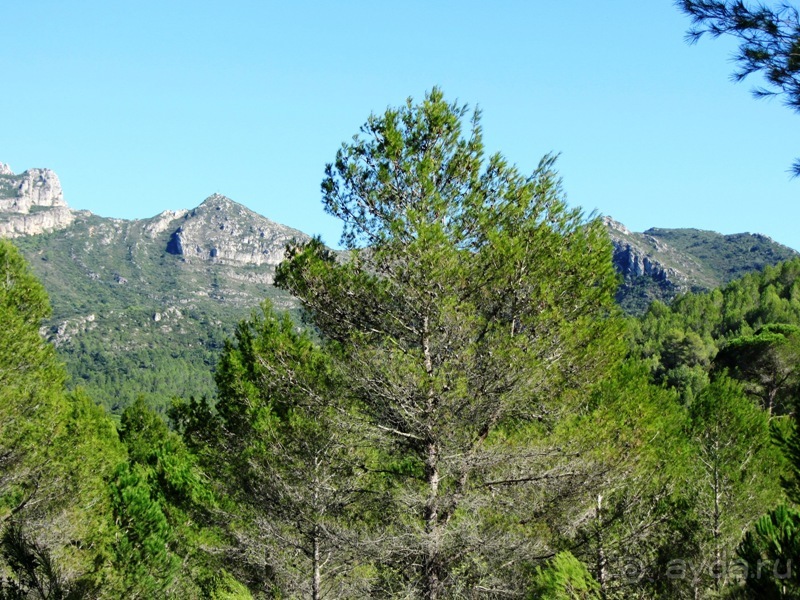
(130, 318)
(724, 258)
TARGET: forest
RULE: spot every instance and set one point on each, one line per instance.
(459, 410)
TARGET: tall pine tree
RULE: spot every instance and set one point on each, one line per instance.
(472, 305)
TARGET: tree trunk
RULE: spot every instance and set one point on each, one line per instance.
(431, 579)
(601, 553)
(431, 566)
(717, 517)
(317, 578)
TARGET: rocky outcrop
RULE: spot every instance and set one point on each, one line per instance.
(67, 329)
(637, 255)
(662, 263)
(162, 222)
(222, 231)
(31, 203)
(34, 187)
(14, 225)
(629, 262)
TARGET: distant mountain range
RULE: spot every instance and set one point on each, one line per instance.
(144, 306)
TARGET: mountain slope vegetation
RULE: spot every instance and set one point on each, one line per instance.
(134, 316)
(143, 307)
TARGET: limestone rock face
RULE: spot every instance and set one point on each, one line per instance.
(222, 231)
(162, 222)
(637, 255)
(34, 187)
(15, 225)
(630, 263)
(31, 202)
(659, 264)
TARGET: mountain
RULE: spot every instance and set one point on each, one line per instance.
(143, 307)
(660, 264)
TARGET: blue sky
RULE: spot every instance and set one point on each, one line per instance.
(146, 106)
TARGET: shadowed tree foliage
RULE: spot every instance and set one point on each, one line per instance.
(767, 363)
(771, 547)
(281, 450)
(769, 551)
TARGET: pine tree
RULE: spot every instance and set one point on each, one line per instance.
(32, 406)
(472, 304)
(766, 363)
(160, 501)
(55, 451)
(735, 457)
(280, 448)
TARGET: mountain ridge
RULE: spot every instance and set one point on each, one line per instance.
(143, 306)
(662, 263)
(130, 316)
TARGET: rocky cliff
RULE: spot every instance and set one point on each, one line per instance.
(222, 231)
(659, 264)
(31, 202)
(637, 255)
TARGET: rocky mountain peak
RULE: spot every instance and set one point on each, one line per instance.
(31, 202)
(218, 202)
(224, 231)
(615, 226)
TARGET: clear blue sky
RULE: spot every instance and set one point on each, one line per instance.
(144, 106)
